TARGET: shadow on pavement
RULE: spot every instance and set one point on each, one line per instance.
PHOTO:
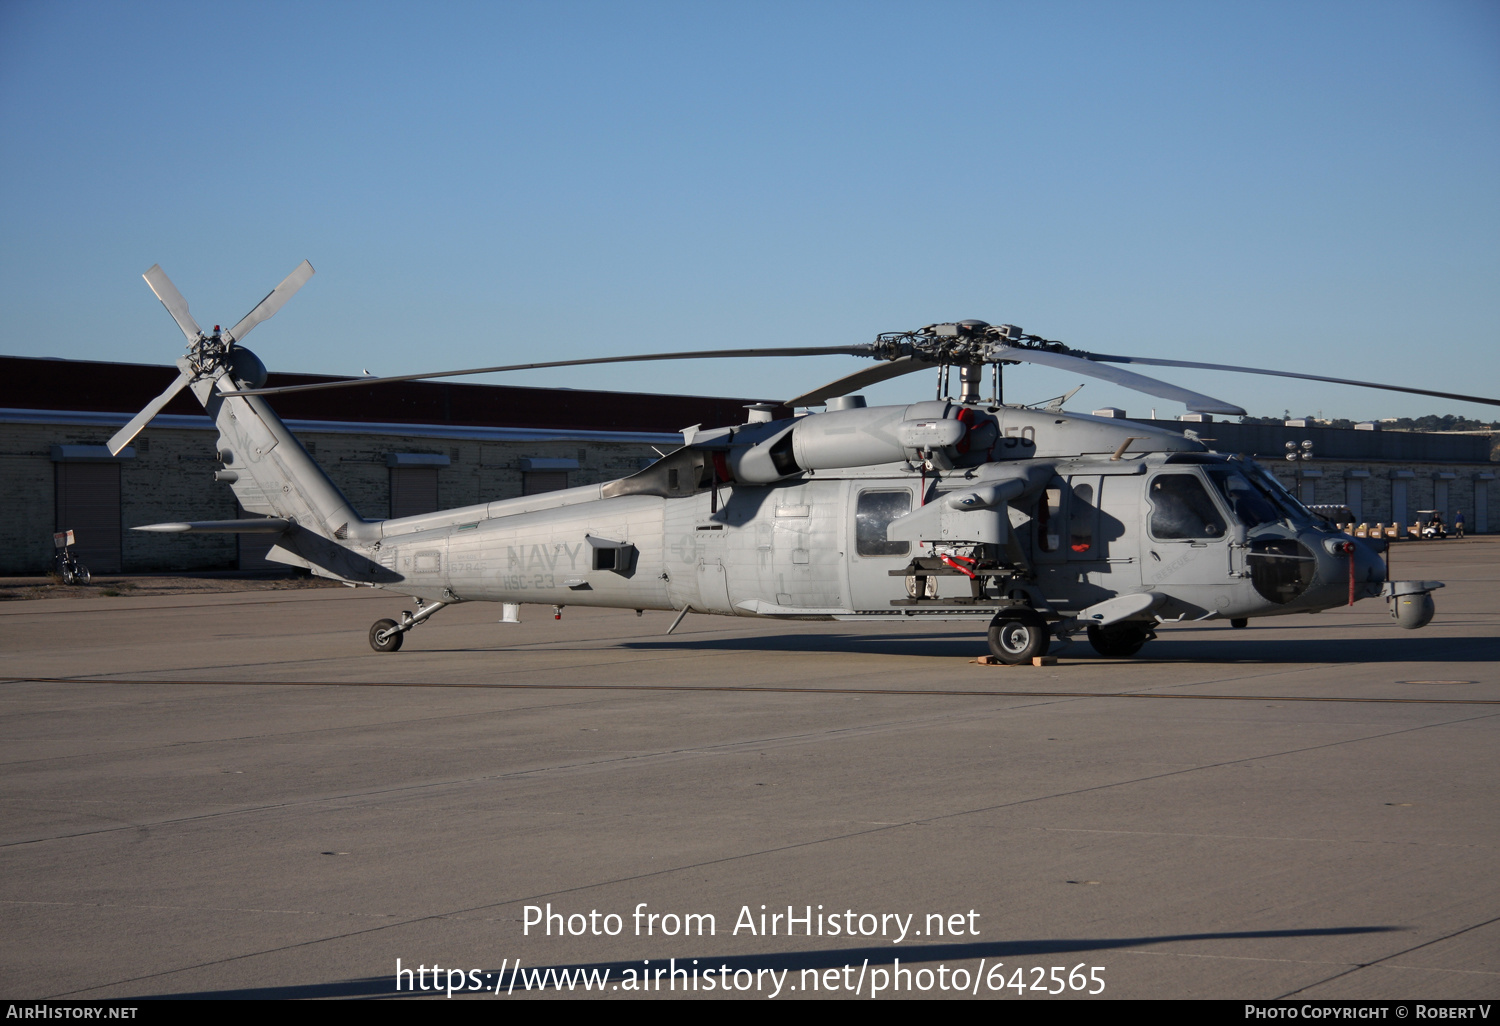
(1227, 648)
(545, 977)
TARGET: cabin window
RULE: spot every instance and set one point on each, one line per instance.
(1081, 522)
(1049, 520)
(1181, 508)
(872, 515)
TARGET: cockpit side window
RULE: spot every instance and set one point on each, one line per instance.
(1181, 508)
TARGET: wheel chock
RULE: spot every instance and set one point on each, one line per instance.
(989, 660)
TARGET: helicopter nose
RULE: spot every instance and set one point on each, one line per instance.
(1349, 569)
(1367, 570)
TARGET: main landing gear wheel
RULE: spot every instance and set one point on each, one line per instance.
(384, 637)
(1120, 640)
(1018, 637)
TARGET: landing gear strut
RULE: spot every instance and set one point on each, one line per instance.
(387, 635)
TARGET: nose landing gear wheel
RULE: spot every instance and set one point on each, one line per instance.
(384, 637)
(1018, 637)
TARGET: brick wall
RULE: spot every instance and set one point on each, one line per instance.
(1332, 487)
(171, 478)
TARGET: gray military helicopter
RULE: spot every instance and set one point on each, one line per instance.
(1037, 523)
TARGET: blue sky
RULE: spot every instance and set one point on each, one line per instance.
(1306, 186)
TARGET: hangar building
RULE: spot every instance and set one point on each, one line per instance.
(395, 450)
(413, 447)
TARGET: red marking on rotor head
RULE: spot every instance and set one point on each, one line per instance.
(966, 417)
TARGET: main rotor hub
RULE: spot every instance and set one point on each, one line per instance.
(960, 342)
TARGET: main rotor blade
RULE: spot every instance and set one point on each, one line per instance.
(706, 354)
(883, 371)
(123, 436)
(173, 301)
(1195, 401)
(274, 300)
(1291, 374)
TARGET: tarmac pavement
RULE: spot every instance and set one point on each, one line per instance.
(232, 795)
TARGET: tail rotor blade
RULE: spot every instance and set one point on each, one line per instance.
(123, 436)
(274, 301)
(173, 301)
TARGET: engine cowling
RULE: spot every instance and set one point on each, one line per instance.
(861, 437)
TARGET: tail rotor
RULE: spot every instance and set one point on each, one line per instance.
(208, 355)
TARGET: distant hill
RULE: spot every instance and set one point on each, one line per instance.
(1431, 422)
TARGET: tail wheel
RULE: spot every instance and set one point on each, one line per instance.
(384, 637)
(1018, 637)
(1120, 640)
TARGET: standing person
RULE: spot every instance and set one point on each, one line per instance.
(1458, 524)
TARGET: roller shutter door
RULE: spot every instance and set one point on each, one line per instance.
(414, 490)
(534, 482)
(253, 547)
(88, 504)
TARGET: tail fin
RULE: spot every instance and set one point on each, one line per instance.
(272, 474)
(266, 466)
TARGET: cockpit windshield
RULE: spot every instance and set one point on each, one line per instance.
(1278, 493)
(1256, 497)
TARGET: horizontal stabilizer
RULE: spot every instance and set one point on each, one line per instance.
(252, 525)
